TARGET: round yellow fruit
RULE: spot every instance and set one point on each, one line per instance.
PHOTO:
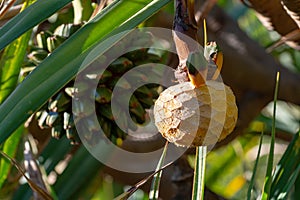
(189, 116)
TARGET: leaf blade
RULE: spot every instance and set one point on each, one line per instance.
(286, 169)
(31, 16)
(11, 62)
(269, 177)
(63, 64)
(251, 184)
(154, 190)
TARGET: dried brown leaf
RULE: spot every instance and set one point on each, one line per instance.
(32, 185)
(274, 17)
(293, 9)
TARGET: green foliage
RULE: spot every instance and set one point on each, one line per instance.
(58, 115)
(269, 178)
(63, 64)
(225, 170)
(9, 147)
(251, 184)
(30, 17)
(10, 66)
(52, 60)
(286, 171)
(55, 71)
(154, 190)
(248, 22)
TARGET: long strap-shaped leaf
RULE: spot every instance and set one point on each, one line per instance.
(251, 184)
(286, 170)
(63, 64)
(10, 65)
(27, 19)
(269, 177)
(154, 190)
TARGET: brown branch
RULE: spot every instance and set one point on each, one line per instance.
(273, 16)
(183, 26)
(247, 66)
(249, 70)
(204, 10)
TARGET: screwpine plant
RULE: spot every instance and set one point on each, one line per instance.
(57, 112)
(43, 45)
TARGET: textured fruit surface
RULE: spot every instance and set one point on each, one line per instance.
(189, 116)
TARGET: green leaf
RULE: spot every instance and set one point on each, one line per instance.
(11, 62)
(199, 173)
(289, 185)
(251, 184)
(80, 170)
(224, 173)
(30, 17)
(269, 178)
(49, 159)
(286, 169)
(154, 190)
(10, 66)
(9, 148)
(297, 188)
(63, 64)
